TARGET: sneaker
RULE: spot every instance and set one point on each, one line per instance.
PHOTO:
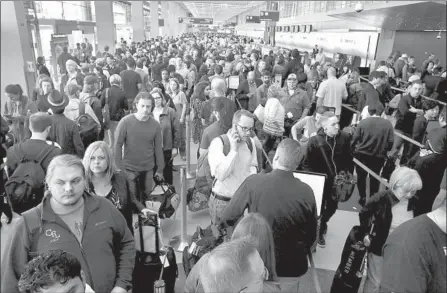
(321, 242)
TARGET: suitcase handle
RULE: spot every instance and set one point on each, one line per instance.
(157, 239)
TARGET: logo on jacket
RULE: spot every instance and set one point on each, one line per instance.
(53, 234)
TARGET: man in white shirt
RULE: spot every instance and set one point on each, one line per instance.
(232, 158)
(332, 92)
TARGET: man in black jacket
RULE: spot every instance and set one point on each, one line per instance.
(287, 204)
(373, 139)
(246, 92)
(409, 107)
(329, 153)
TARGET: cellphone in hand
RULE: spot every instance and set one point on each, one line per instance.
(236, 133)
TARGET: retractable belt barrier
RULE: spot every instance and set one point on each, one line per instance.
(395, 132)
(403, 91)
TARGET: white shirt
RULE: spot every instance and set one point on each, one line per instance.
(331, 93)
(231, 170)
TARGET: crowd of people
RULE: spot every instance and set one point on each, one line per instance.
(116, 122)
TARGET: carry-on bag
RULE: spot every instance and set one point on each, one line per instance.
(202, 242)
(155, 262)
(349, 273)
(163, 199)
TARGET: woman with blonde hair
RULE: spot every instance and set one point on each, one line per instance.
(103, 179)
(386, 210)
(254, 226)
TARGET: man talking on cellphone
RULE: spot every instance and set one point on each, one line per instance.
(232, 158)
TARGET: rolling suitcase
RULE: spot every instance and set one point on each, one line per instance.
(349, 273)
(152, 263)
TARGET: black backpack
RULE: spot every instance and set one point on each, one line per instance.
(25, 186)
(87, 125)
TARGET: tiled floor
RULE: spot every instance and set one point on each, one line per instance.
(326, 259)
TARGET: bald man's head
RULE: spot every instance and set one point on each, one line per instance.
(331, 72)
(218, 86)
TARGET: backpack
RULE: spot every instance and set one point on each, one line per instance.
(25, 185)
(87, 125)
(198, 198)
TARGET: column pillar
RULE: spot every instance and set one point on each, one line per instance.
(105, 26)
(384, 46)
(137, 21)
(154, 19)
(173, 20)
(165, 16)
(17, 58)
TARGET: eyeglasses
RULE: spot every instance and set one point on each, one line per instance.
(245, 129)
(291, 79)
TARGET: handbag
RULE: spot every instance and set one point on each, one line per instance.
(344, 182)
(163, 200)
(106, 111)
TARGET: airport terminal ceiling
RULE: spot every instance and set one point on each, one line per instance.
(219, 10)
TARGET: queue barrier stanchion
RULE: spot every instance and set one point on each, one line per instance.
(395, 132)
(403, 91)
(189, 174)
(372, 173)
(179, 242)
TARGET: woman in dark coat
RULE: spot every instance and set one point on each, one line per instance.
(105, 180)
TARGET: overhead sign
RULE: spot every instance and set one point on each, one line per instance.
(195, 20)
(253, 19)
(269, 15)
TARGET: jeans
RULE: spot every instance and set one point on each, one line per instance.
(216, 206)
(398, 142)
(182, 146)
(111, 133)
(140, 184)
(375, 164)
(328, 206)
(167, 171)
(374, 274)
